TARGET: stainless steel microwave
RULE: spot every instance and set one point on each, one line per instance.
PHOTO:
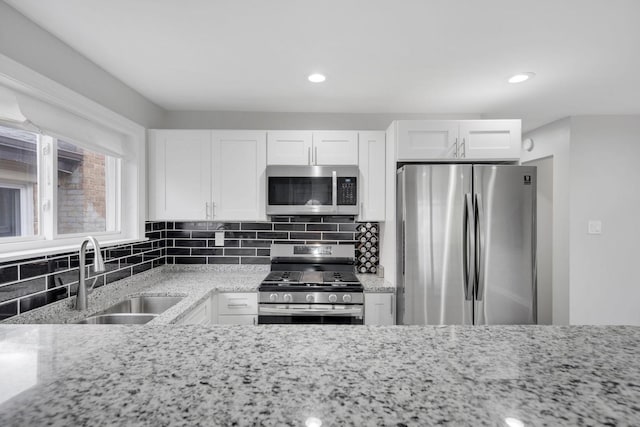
(315, 190)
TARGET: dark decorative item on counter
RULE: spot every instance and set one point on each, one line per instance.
(367, 237)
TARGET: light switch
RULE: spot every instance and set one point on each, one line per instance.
(219, 238)
(595, 226)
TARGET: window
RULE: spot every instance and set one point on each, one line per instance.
(82, 197)
(18, 183)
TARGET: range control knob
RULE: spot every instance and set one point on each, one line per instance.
(287, 298)
(273, 297)
(310, 298)
(346, 298)
(333, 298)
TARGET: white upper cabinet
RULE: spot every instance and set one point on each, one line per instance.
(458, 140)
(491, 139)
(179, 174)
(335, 148)
(371, 162)
(312, 148)
(427, 139)
(289, 147)
(239, 163)
(203, 174)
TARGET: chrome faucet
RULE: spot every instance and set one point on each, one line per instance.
(98, 266)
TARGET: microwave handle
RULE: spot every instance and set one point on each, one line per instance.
(334, 176)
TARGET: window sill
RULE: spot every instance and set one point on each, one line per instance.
(35, 253)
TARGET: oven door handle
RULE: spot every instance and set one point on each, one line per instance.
(310, 311)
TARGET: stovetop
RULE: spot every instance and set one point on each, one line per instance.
(318, 280)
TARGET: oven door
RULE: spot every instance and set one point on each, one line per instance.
(305, 314)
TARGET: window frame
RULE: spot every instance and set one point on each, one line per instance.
(26, 210)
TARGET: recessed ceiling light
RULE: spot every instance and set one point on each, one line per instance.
(317, 78)
(521, 77)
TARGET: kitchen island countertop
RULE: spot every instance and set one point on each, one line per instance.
(339, 375)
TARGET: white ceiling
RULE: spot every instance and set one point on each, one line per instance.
(379, 56)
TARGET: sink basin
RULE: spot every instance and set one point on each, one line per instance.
(143, 305)
(118, 319)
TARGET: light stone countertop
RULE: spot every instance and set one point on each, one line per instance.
(281, 375)
(194, 283)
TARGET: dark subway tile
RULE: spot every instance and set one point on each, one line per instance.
(142, 267)
(23, 288)
(181, 234)
(280, 219)
(338, 236)
(119, 252)
(8, 310)
(62, 278)
(99, 282)
(272, 235)
(199, 225)
(240, 234)
(158, 262)
(234, 251)
(256, 243)
(263, 252)
(159, 226)
(288, 227)
(178, 251)
(207, 251)
(338, 219)
(142, 247)
(288, 242)
(349, 227)
(306, 236)
(228, 243)
(8, 274)
(320, 242)
(36, 301)
(192, 243)
(322, 227)
(34, 269)
(117, 275)
(148, 226)
(153, 235)
(148, 256)
(203, 234)
(219, 226)
(190, 260)
(309, 218)
(255, 260)
(60, 263)
(224, 260)
(169, 225)
(256, 226)
(132, 260)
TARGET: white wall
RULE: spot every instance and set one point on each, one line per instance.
(26, 43)
(553, 140)
(605, 185)
(293, 121)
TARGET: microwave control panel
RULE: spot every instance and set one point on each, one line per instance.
(347, 191)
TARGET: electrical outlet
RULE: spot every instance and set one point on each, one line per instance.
(595, 227)
(219, 238)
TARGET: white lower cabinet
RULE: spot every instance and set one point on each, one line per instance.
(199, 315)
(379, 308)
(237, 308)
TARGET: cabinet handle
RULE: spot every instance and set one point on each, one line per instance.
(213, 210)
(455, 151)
(309, 156)
(464, 148)
(254, 320)
(315, 160)
(237, 305)
(206, 210)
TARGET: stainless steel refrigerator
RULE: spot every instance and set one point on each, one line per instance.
(466, 252)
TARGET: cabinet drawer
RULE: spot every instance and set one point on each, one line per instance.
(238, 303)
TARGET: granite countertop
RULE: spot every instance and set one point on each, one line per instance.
(338, 375)
(194, 283)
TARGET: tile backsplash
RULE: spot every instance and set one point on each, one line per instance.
(31, 283)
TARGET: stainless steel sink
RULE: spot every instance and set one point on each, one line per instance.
(143, 305)
(118, 319)
(132, 311)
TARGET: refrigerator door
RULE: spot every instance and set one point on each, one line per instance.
(431, 226)
(505, 205)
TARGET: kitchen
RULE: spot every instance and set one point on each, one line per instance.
(590, 281)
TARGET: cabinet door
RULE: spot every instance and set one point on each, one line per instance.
(427, 139)
(379, 309)
(200, 315)
(179, 174)
(490, 139)
(371, 162)
(335, 148)
(239, 163)
(289, 148)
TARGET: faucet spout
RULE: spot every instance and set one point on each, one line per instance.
(82, 300)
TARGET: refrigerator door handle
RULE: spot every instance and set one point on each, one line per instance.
(480, 242)
(468, 248)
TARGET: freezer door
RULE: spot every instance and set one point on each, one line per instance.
(505, 205)
(431, 224)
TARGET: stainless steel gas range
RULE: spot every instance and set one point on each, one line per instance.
(311, 284)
